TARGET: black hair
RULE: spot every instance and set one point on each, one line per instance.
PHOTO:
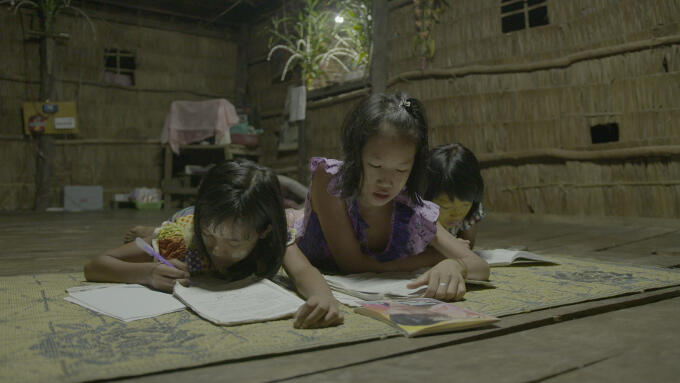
(403, 114)
(250, 194)
(454, 169)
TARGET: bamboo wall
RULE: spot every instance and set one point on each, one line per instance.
(543, 88)
(118, 143)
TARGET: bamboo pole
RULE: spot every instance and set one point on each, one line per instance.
(337, 99)
(562, 155)
(562, 62)
(594, 185)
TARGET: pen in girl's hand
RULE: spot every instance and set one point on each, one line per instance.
(150, 250)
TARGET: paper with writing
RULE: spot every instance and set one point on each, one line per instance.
(244, 302)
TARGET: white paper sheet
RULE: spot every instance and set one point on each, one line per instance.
(126, 302)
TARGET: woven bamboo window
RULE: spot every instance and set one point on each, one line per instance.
(119, 67)
(517, 14)
(602, 133)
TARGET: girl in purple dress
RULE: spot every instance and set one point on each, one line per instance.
(364, 214)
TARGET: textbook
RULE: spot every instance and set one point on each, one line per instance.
(378, 286)
(420, 316)
(231, 303)
(506, 257)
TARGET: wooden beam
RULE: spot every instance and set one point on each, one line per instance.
(561, 155)
(242, 65)
(379, 59)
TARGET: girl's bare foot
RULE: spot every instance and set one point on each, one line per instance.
(144, 232)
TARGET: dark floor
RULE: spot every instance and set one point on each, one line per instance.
(624, 339)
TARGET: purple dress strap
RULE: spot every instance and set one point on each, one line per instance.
(412, 227)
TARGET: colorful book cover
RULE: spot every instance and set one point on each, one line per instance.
(419, 316)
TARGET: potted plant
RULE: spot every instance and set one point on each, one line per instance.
(355, 35)
(313, 43)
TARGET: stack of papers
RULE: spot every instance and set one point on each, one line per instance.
(123, 301)
(353, 289)
(373, 286)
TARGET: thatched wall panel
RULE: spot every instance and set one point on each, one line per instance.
(258, 42)
(643, 188)
(471, 35)
(170, 66)
(16, 181)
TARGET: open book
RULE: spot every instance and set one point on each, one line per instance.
(230, 303)
(505, 257)
(378, 286)
(419, 316)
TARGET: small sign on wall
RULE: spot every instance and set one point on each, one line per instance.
(50, 117)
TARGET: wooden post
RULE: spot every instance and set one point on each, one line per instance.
(45, 156)
(242, 66)
(379, 60)
(167, 176)
(302, 152)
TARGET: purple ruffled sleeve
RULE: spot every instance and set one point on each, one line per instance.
(332, 167)
(422, 225)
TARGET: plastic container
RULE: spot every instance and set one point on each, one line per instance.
(245, 139)
(148, 205)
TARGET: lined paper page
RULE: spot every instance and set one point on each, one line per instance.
(228, 304)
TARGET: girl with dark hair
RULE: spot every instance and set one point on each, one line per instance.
(455, 183)
(236, 229)
(364, 214)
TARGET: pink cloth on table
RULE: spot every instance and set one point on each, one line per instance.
(193, 121)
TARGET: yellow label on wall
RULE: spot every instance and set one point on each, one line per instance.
(50, 117)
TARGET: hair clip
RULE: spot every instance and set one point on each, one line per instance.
(405, 103)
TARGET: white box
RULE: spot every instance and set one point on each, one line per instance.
(82, 198)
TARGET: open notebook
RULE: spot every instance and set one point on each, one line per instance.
(506, 257)
(220, 302)
(226, 303)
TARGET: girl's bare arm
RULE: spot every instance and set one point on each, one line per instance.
(321, 309)
(451, 247)
(470, 235)
(129, 264)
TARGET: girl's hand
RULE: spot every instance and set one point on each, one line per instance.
(444, 281)
(319, 311)
(163, 277)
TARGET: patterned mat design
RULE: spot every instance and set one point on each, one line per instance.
(46, 339)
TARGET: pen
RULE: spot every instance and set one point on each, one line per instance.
(150, 250)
